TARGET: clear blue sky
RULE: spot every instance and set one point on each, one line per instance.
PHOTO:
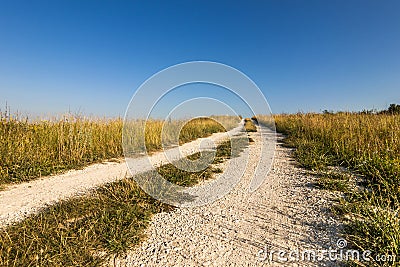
(90, 56)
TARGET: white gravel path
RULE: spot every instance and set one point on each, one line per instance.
(19, 200)
(286, 213)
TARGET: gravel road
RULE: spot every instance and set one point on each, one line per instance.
(243, 229)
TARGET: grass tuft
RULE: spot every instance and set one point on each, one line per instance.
(249, 125)
(333, 181)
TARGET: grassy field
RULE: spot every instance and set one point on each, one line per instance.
(89, 230)
(32, 149)
(368, 145)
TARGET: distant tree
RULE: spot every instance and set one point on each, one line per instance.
(368, 111)
(325, 111)
(393, 109)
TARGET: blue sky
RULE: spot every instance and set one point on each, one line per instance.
(90, 56)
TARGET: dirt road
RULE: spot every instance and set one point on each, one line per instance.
(246, 229)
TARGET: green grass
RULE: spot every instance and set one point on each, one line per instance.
(89, 230)
(69, 233)
(333, 181)
(369, 146)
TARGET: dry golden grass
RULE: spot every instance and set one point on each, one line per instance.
(33, 149)
(249, 125)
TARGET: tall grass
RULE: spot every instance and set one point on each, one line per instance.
(30, 149)
(369, 145)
